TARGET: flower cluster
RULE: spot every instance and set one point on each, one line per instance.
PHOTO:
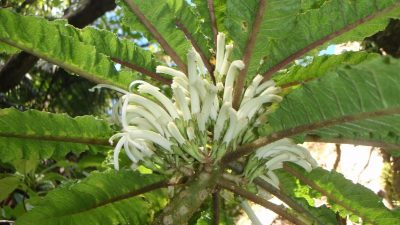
(197, 123)
(272, 156)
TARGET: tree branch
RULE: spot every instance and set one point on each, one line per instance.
(238, 168)
(315, 138)
(198, 49)
(20, 64)
(216, 206)
(143, 71)
(154, 32)
(248, 148)
(338, 155)
(214, 28)
(254, 198)
(78, 140)
(251, 42)
(267, 75)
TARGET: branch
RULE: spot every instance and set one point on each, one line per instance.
(338, 155)
(251, 42)
(198, 49)
(144, 71)
(254, 198)
(238, 168)
(20, 64)
(216, 207)
(214, 28)
(267, 75)
(248, 148)
(154, 32)
(315, 138)
(78, 140)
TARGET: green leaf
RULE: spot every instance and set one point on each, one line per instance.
(159, 15)
(353, 101)
(347, 197)
(46, 40)
(289, 30)
(108, 198)
(34, 134)
(186, 16)
(219, 11)
(300, 194)
(7, 49)
(319, 66)
(122, 50)
(8, 185)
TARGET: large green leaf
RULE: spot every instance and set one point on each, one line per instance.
(160, 23)
(346, 197)
(197, 30)
(294, 27)
(109, 198)
(35, 134)
(47, 40)
(319, 66)
(204, 12)
(358, 101)
(121, 50)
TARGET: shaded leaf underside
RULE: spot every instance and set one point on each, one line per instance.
(43, 135)
(347, 197)
(96, 200)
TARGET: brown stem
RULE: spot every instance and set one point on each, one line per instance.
(143, 71)
(214, 28)
(198, 49)
(316, 187)
(315, 138)
(154, 32)
(254, 198)
(238, 168)
(78, 140)
(248, 148)
(188, 200)
(338, 155)
(238, 89)
(216, 207)
(267, 75)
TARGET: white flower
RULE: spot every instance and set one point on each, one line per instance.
(161, 132)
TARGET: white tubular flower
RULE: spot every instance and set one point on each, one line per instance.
(271, 91)
(215, 109)
(170, 71)
(190, 133)
(154, 91)
(99, 86)
(141, 123)
(206, 109)
(264, 86)
(274, 183)
(200, 64)
(151, 136)
(142, 146)
(251, 90)
(176, 133)
(182, 102)
(151, 106)
(148, 116)
(274, 178)
(117, 150)
(226, 63)
(233, 122)
(133, 154)
(220, 51)
(183, 83)
(231, 76)
(222, 117)
(251, 107)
